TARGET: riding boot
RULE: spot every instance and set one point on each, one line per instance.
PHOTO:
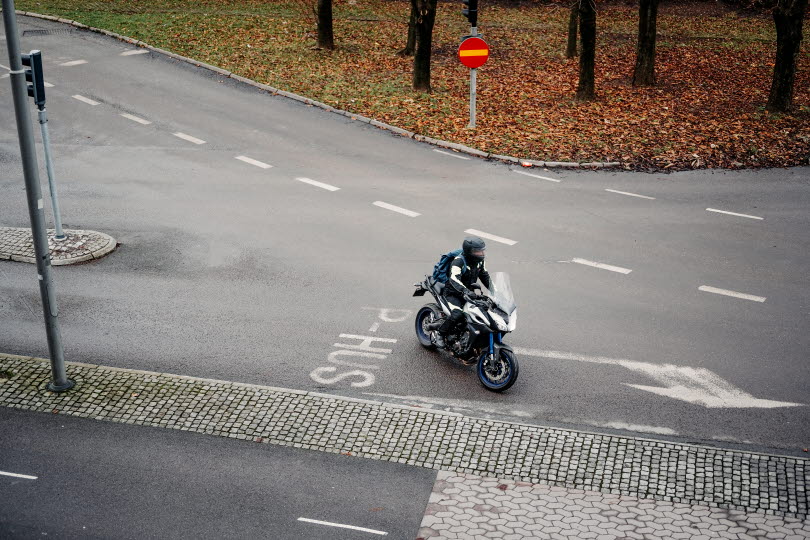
(439, 341)
(447, 326)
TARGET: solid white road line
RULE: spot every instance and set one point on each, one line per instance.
(602, 266)
(630, 194)
(253, 162)
(5, 67)
(409, 213)
(491, 237)
(6, 76)
(85, 100)
(136, 119)
(74, 63)
(134, 51)
(450, 154)
(47, 84)
(732, 213)
(725, 292)
(342, 526)
(318, 184)
(536, 176)
(188, 138)
(15, 475)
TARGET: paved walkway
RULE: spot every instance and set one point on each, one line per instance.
(523, 481)
(468, 506)
(17, 244)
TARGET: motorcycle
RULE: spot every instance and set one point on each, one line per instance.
(480, 340)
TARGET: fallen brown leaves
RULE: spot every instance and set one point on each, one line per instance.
(706, 111)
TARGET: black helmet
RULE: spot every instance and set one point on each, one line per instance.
(473, 248)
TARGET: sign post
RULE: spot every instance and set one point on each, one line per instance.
(36, 89)
(473, 53)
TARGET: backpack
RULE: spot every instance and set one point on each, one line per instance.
(441, 271)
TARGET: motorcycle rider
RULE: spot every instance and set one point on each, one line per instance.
(465, 270)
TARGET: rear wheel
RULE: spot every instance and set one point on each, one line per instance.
(429, 313)
(499, 373)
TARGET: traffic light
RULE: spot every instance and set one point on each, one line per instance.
(34, 77)
(470, 11)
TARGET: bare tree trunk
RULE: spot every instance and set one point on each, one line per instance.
(411, 45)
(788, 17)
(644, 72)
(573, 19)
(326, 38)
(426, 17)
(587, 59)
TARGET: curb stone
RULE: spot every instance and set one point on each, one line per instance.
(608, 464)
(308, 101)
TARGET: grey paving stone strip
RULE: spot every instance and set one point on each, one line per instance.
(658, 470)
(17, 244)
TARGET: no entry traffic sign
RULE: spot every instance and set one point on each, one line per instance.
(473, 52)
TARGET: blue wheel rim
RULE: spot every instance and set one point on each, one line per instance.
(483, 377)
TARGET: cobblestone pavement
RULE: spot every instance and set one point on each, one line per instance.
(609, 467)
(466, 506)
(17, 244)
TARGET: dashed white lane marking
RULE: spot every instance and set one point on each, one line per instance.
(450, 154)
(136, 119)
(135, 51)
(253, 162)
(47, 84)
(405, 211)
(188, 138)
(536, 176)
(725, 292)
(342, 526)
(73, 63)
(315, 183)
(500, 239)
(374, 327)
(85, 100)
(6, 76)
(630, 194)
(602, 266)
(15, 475)
(732, 213)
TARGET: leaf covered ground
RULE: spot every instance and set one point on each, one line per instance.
(714, 68)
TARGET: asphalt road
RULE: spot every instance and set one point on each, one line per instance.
(231, 270)
(89, 479)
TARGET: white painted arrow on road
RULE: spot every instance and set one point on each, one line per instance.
(693, 385)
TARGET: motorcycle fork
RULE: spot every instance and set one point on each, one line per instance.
(492, 340)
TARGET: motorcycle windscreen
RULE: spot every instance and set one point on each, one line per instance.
(502, 291)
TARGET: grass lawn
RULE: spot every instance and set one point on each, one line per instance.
(714, 68)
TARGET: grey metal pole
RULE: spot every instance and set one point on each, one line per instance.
(473, 83)
(59, 381)
(46, 142)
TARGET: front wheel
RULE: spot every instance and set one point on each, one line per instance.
(500, 373)
(429, 313)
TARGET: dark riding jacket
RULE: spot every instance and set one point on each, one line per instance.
(462, 276)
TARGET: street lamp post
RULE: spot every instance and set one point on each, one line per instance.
(60, 381)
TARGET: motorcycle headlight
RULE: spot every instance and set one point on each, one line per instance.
(502, 325)
(512, 321)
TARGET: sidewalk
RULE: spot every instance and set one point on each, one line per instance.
(496, 479)
(17, 244)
